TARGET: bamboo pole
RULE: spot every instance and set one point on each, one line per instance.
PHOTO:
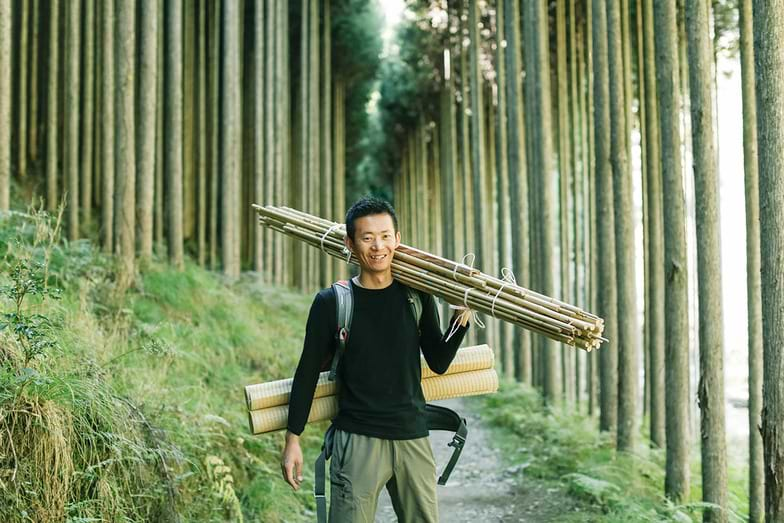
(457, 283)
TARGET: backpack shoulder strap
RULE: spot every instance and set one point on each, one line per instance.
(442, 418)
(344, 299)
(415, 302)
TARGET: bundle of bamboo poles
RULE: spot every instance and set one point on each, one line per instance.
(457, 283)
(470, 373)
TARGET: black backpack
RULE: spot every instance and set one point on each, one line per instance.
(438, 418)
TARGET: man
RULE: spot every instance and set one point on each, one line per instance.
(382, 436)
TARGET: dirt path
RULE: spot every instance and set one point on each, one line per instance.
(483, 487)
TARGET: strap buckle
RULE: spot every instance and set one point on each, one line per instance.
(457, 442)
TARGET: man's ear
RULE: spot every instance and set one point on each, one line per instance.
(397, 239)
(349, 243)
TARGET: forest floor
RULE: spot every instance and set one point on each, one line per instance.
(485, 487)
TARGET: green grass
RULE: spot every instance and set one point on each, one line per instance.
(566, 448)
(137, 412)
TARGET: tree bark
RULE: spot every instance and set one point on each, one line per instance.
(107, 126)
(174, 135)
(125, 186)
(71, 109)
(5, 101)
(159, 214)
(326, 136)
(23, 99)
(605, 219)
(187, 56)
(478, 161)
(231, 148)
(147, 128)
(518, 181)
(624, 234)
(676, 484)
(87, 114)
(655, 246)
(768, 53)
(753, 284)
(564, 182)
(201, 136)
(259, 129)
(711, 385)
(33, 126)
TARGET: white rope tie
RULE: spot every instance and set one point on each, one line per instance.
(332, 228)
(464, 263)
(507, 277)
(464, 307)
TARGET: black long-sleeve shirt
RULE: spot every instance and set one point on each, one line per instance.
(379, 374)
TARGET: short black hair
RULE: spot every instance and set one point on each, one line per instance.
(366, 206)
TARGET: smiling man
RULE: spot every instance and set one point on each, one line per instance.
(381, 437)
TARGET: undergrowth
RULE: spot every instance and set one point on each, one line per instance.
(130, 407)
(566, 447)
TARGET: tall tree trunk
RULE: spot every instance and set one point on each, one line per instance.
(478, 163)
(314, 112)
(768, 52)
(624, 235)
(676, 484)
(148, 71)
(711, 386)
(654, 316)
(269, 130)
(753, 284)
(159, 213)
(174, 135)
(259, 128)
(87, 114)
(52, 104)
(502, 151)
(33, 127)
(544, 152)
(188, 53)
(108, 165)
(575, 130)
(564, 181)
(71, 109)
(605, 219)
(215, 102)
(125, 182)
(518, 181)
(326, 137)
(22, 97)
(592, 265)
(281, 174)
(201, 136)
(231, 149)
(5, 101)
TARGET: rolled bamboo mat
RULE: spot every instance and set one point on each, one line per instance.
(274, 393)
(436, 388)
(457, 283)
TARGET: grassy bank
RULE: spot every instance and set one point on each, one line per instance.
(130, 407)
(567, 449)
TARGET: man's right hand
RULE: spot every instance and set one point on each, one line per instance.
(291, 461)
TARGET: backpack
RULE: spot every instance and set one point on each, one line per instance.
(438, 418)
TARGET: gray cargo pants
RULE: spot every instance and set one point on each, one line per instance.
(360, 467)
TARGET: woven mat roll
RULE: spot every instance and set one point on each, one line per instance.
(437, 388)
(274, 393)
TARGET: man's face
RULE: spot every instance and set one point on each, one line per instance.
(374, 243)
